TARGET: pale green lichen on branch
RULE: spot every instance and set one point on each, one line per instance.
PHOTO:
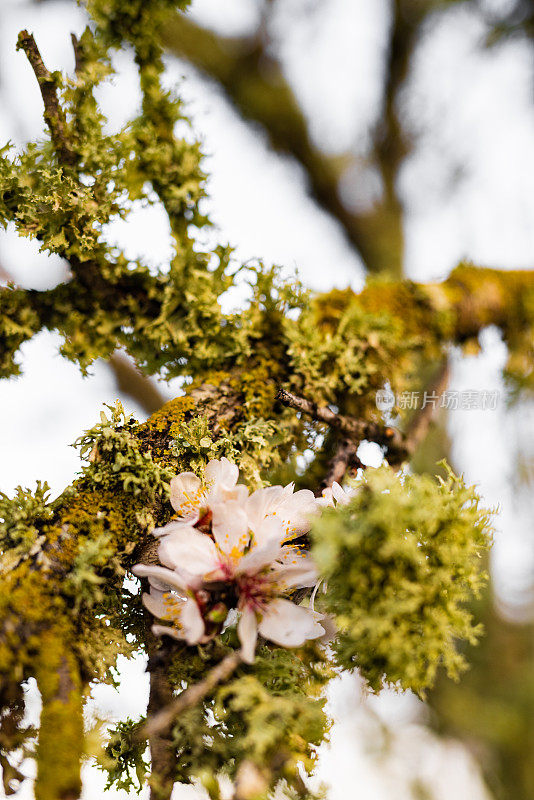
(401, 561)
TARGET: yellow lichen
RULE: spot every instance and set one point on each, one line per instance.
(171, 413)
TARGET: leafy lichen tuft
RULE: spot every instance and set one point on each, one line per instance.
(402, 561)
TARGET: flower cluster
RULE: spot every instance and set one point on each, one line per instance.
(228, 549)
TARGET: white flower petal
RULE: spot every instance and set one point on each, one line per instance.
(221, 472)
(174, 526)
(258, 558)
(166, 630)
(292, 510)
(247, 630)
(238, 493)
(263, 502)
(296, 511)
(155, 603)
(296, 570)
(269, 529)
(168, 578)
(188, 550)
(186, 493)
(341, 496)
(230, 527)
(327, 499)
(192, 622)
(289, 625)
(158, 585)
(188, 623)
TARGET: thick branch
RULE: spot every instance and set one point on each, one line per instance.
(190, 697)
(60, 744)
(53, 112)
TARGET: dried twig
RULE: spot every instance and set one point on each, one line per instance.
(355, 429)
(53, 113)
(194, 694)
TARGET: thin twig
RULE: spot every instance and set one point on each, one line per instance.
(309, 408)
(53, 113)
(191, 696)
(78, 54)
(399, 446)
(352, 432)
(355, 429)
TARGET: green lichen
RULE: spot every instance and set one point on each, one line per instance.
(20, 517)
(115, 459)
(124, 759)
(402, 562)
(271, 714)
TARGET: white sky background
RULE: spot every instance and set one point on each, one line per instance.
(469, 189)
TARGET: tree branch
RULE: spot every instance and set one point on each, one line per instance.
(194, 694)
(53, 112)
(161, 753)
(344, 458)
(130, 381)
(254, 83)
(133, 383)
(78, 54)
(400, 446)
(356, 429)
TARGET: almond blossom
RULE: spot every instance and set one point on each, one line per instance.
(229, 549)
(193, 498)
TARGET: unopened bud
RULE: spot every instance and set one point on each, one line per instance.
(218, 613)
